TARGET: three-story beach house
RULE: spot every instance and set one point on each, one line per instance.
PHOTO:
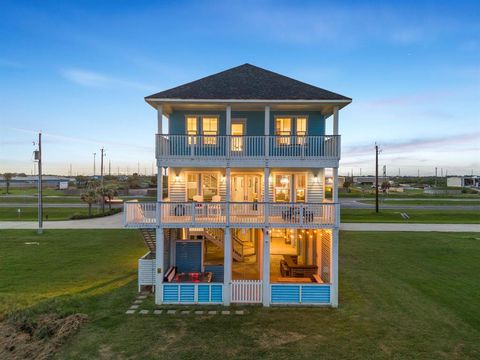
(249, 216)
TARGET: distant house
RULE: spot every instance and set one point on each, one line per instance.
(246, 219)
(368, 180)
(49, 181)
(463, 181)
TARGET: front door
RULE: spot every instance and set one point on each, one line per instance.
(188, 256)
(238, 132)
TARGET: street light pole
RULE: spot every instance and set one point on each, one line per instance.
(40, 200)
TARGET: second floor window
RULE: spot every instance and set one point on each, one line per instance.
(202, 125)
(290, 130)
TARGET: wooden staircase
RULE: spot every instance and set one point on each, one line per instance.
(149, 238)
(216, 236)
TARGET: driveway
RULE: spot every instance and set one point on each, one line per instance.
(107, 222)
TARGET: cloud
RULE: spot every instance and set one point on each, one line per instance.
(414, 144)
(95, 79)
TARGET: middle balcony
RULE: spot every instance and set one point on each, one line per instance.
(235, 214)
(244, 151)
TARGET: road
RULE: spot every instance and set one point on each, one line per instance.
(349, 203)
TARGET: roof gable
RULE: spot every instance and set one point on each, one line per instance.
(247, 82)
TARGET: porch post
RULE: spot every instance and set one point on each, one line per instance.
(227, 195)
(334, 274)
(228, 130)
(266, 239)
(266, 267)
(159, 119)
(335, 120)
(227, 265)
(267, 130)
(159, 266)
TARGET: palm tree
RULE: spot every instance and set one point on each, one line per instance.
(7, 177)
(90, 197)
(111, 193)
(102, 193)
(346, 185)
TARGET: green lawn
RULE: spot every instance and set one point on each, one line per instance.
(30, 213)
(60, 199)
(31, 191)
(459, 202)
(402, 296)
(416, 216)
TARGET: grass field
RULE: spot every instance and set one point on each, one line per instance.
(31, 191)
(46, 199)
(459, 202)
(30, 213)
(402, 296)
(416, 216)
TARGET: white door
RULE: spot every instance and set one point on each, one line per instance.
(238, 130)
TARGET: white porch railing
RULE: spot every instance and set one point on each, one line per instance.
(246, 291)
(140, 214)
(248, 214)
(222, 147)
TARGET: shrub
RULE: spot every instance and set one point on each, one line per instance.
(78, 216)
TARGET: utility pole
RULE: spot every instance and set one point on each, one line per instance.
(138, 168)
(38, 157)
(436, 169)
(376, 178)
(101, 166)
(94, 155)
(109, 167)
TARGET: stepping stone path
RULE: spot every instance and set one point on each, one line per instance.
(135, 308)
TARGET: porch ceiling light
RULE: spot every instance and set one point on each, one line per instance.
(177, 179)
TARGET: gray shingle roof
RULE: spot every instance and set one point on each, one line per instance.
(247, 82)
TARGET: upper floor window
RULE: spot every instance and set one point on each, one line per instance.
(288, 127)
(202, 125)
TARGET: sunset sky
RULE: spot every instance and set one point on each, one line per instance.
(78, 71)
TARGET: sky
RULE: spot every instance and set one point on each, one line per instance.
(79, 71)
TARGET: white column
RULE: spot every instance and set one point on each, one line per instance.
(335, 120)
(227, 266)
(228, 129)
(334, 273)
(267, 129)
(227, 195)
(266, 267)
(335, 185)
(159, 119)
(159, 266)
(266, 240)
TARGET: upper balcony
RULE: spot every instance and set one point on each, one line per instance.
(246, 151)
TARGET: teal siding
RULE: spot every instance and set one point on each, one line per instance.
(217, 272)
(203, 293)
(300, 294)
(255, 121)
(187, 293)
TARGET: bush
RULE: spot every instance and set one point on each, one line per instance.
(86, 216)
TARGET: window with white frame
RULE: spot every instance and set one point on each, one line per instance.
(202, 125)
(287, 127)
